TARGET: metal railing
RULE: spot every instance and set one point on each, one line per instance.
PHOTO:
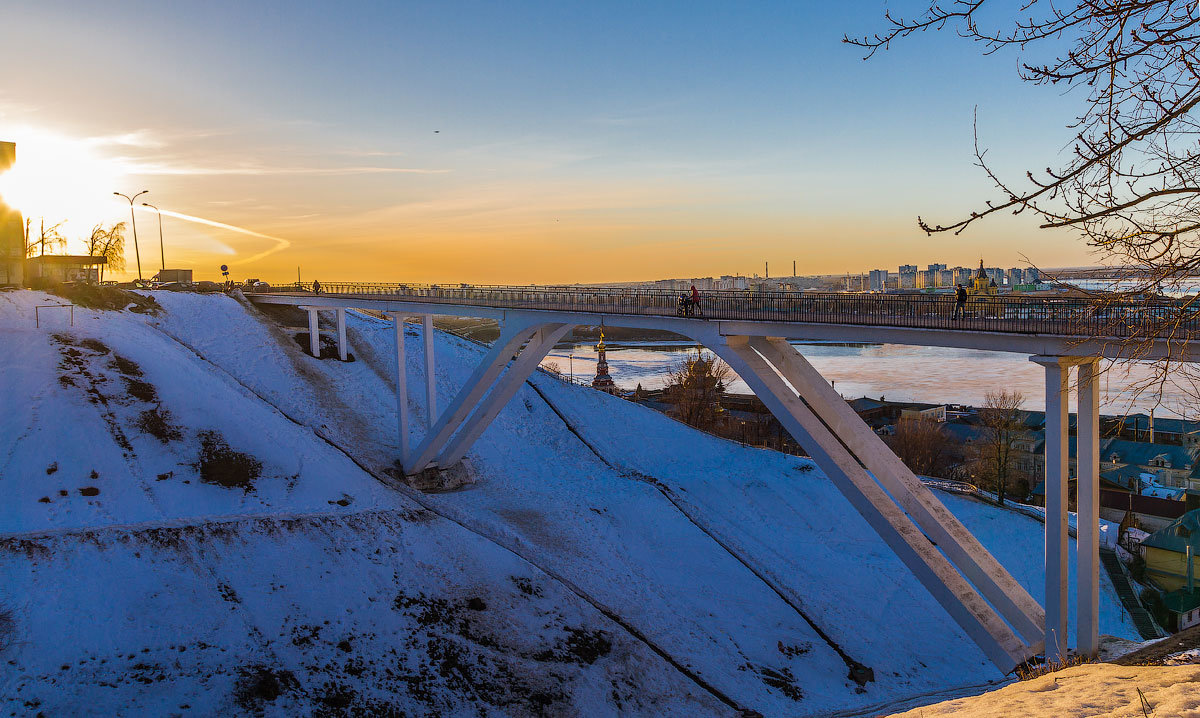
(1062, 316)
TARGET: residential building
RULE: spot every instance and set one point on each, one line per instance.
(1168, 550)
(1183, 609)
(879, 280)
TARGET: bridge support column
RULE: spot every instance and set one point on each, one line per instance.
(314, 333)
(341, 333)
(1087, 503)
(401, 387)
(1057, 371)
(511, 338)
(534, 352)
(969, 556)
(813, 419)
(430, 370)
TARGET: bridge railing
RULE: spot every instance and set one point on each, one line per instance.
(1074, 316)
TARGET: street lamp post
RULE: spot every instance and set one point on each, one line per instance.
(161, 252)
(133, 221)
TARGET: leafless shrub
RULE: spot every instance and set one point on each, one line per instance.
(924, 447)
(695, 386)
(1001, 418)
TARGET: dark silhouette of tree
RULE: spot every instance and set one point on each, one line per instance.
(1131, 184)
(695, 386)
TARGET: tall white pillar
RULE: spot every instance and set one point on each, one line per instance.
(401, 388)
(341, 329)
(430, 372)
(314, 333)
(1056, 505)
(1087, 545)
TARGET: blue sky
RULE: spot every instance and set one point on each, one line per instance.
(538, 141)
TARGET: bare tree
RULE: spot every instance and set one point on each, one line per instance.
(695, 386)
(1002, 427)
(108, 243)
(46, 235)
(924, 447)
(1131, 184)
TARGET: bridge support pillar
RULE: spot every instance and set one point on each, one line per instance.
(341, 333)
(401, 387)
(535, 351)
(430, 370)
(512, 337)
(314, 332)
(1087, 542)
(812, 413)
(1057, 371)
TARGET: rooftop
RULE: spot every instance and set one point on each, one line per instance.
(1178, 535)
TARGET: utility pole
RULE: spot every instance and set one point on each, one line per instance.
(767, 270)
(161, 252)
(793, 268)
(133, 222)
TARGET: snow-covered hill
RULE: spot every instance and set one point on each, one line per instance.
(198, 518)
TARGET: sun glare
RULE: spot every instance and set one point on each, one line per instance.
(60, 179)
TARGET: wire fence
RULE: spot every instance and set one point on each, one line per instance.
(1066, 316)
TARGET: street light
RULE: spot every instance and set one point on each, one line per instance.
(161, 253)
(133, 221)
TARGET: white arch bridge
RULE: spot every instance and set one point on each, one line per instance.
(748, 330)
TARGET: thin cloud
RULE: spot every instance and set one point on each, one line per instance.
(281, 243)
(179, 170)
(141, 139)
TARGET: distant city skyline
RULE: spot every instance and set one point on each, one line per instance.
(529, 142)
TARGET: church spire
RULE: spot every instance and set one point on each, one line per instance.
(603, 381)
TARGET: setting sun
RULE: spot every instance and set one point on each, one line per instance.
(61, 179)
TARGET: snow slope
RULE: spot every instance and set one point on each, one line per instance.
(626, 563)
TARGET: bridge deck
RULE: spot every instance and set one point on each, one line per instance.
(1100, 320)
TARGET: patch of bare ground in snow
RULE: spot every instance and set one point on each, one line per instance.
(1155, 653)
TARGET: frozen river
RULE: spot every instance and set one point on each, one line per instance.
(892, 371)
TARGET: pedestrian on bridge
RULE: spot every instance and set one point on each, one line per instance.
(695, 300)
(960, 302)
(316, 287)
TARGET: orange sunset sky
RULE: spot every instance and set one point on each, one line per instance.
(534, 142)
